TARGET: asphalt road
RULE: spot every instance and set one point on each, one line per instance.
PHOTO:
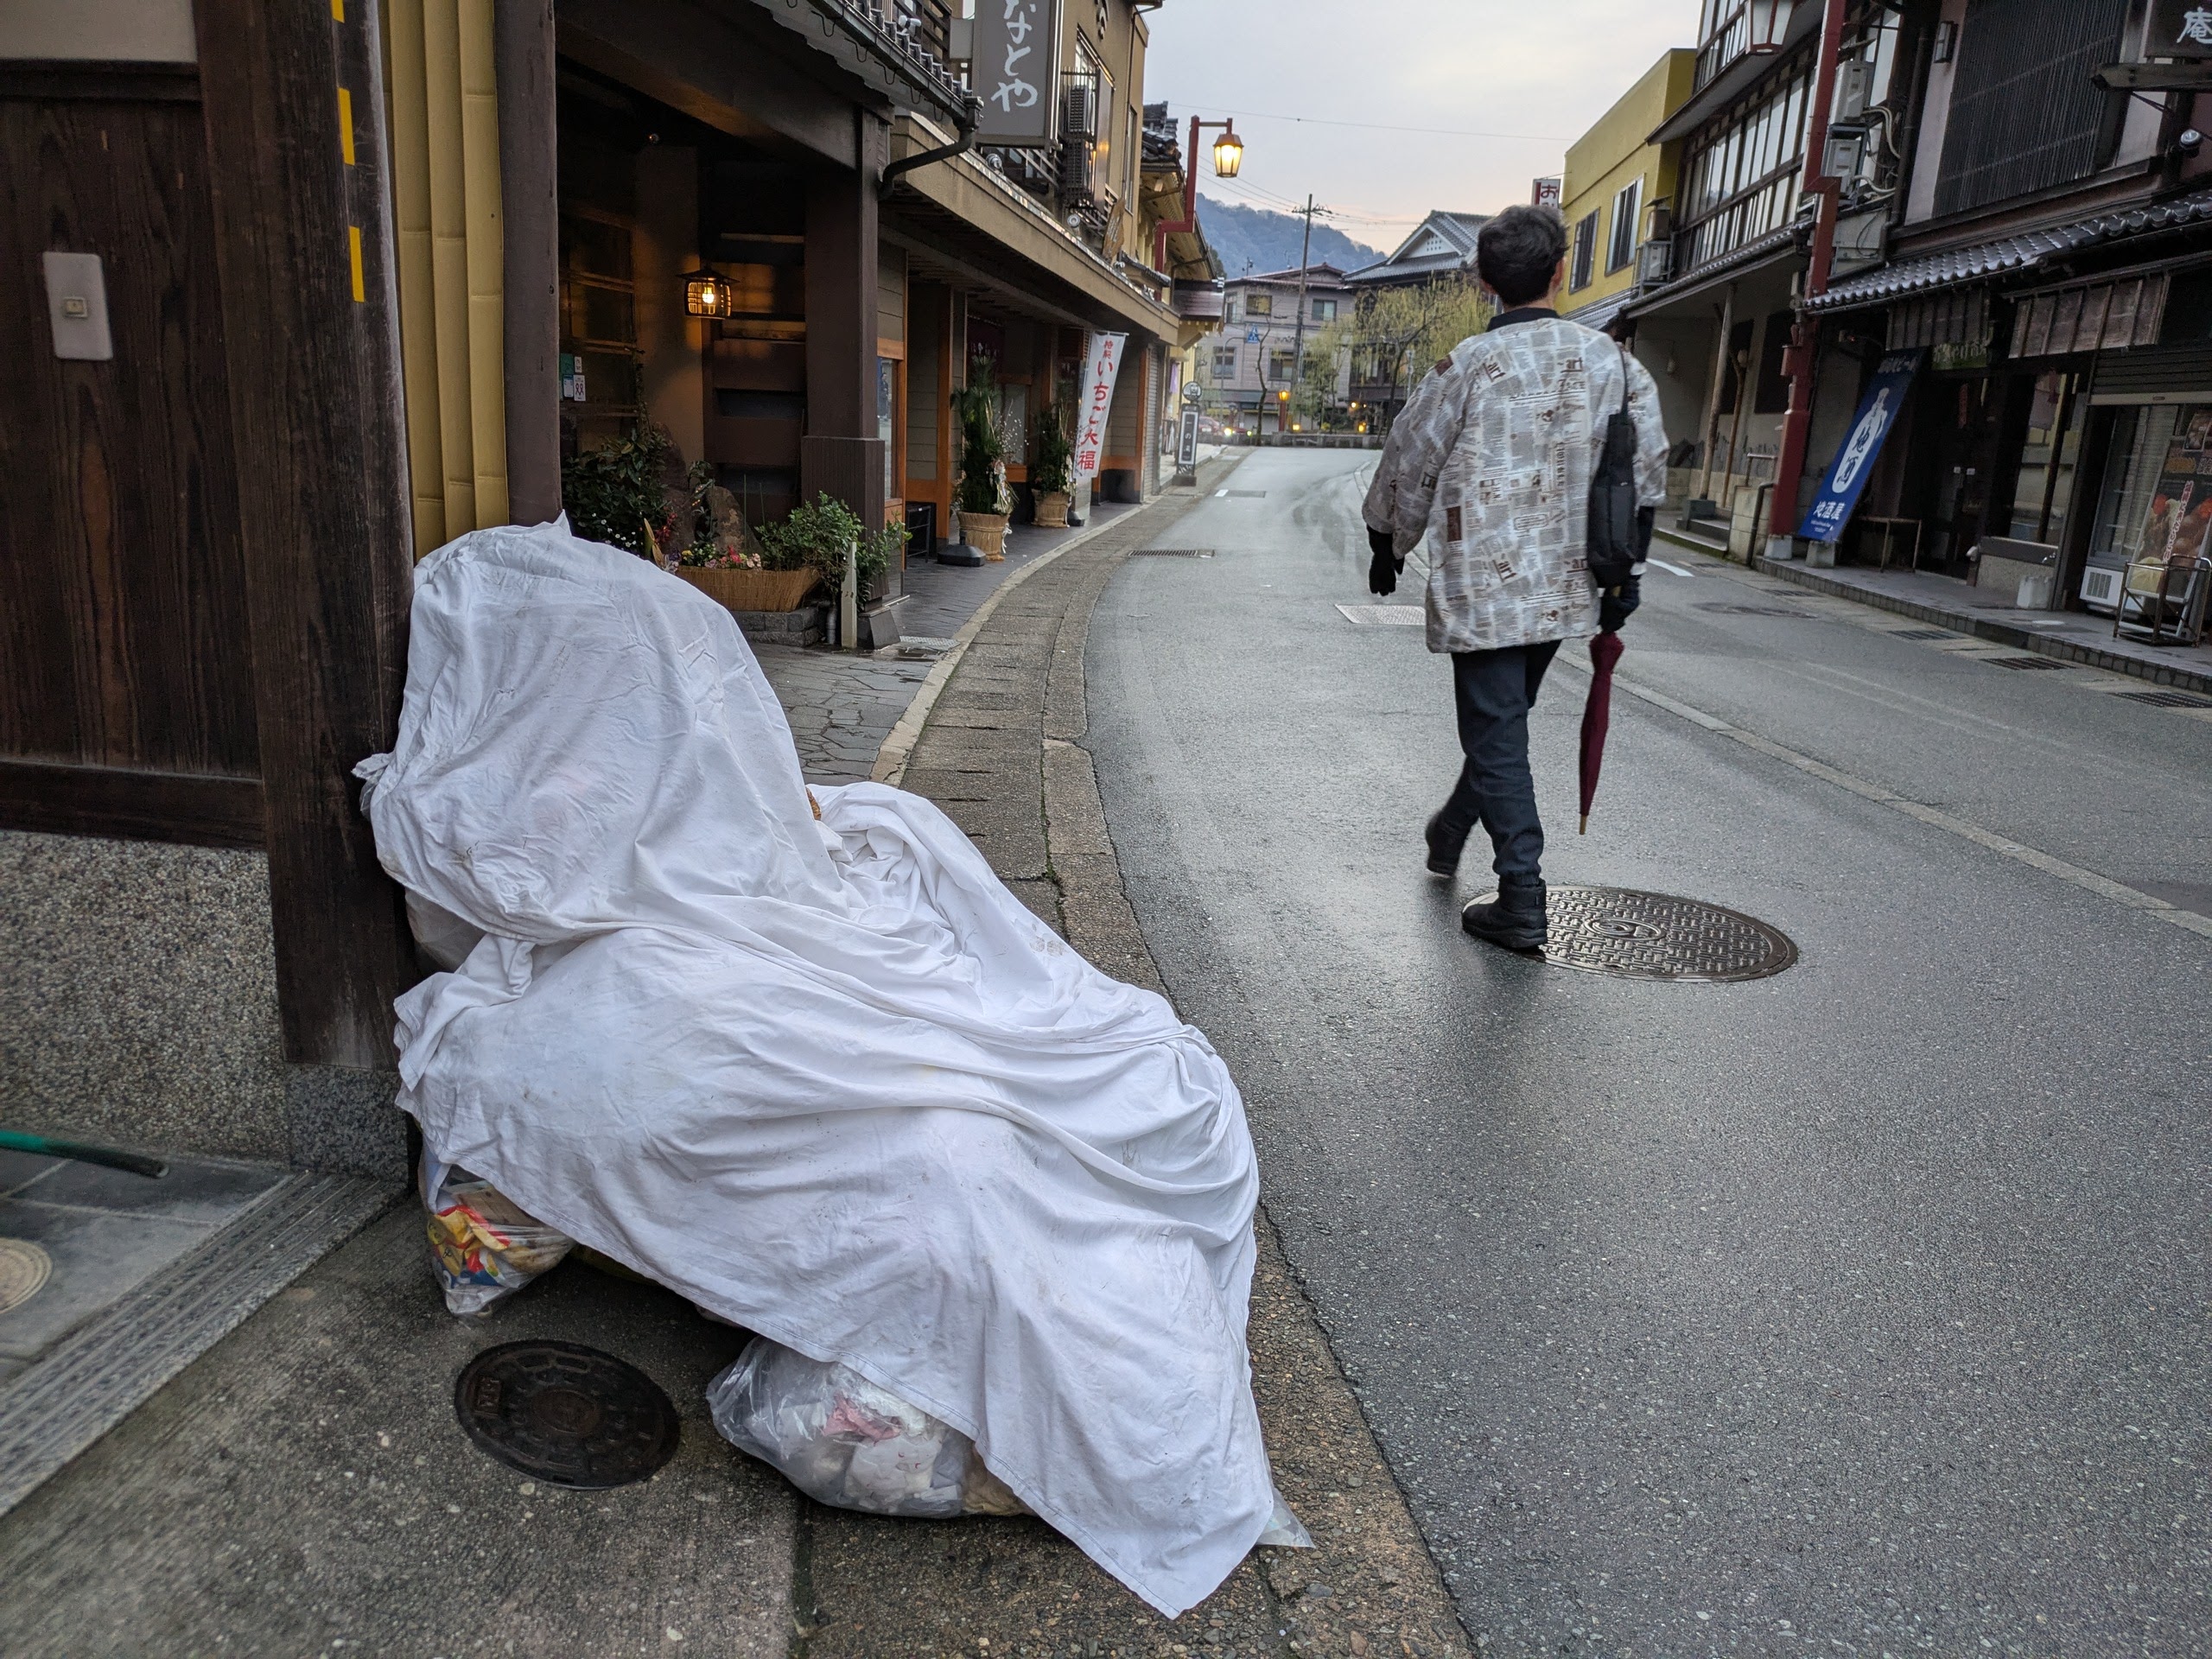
(1860, 1310)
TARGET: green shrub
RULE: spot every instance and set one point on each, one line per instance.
(983, 451)
(1051, 465)
(614, 493)
(816, 537)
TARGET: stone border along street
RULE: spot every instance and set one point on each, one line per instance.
(1002, 753)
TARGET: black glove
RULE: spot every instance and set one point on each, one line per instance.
(1617, 605)
(1385, 568)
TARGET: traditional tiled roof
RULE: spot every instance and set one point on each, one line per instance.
(2024, 252)
(1441, 243)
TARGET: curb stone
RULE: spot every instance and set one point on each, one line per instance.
(998, 744)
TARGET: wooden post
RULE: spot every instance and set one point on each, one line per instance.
(302, 241)
(530, 206)
(841, 453)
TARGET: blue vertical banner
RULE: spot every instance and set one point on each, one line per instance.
(1854, 460)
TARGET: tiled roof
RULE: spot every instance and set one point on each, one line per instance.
(2024, 252)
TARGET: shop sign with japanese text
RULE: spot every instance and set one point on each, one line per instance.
(2179, 28)
(1101, 369)
(1015, 68)
(1854, 460)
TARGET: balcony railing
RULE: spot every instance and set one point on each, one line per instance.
(917, 34)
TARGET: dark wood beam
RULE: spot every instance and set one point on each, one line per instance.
(530, 229)
(312, 338)
(129, 805)
(841, 453)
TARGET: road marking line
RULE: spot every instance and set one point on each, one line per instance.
(2119, 892)
(1678, 570)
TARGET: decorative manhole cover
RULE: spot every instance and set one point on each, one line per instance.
(566, 1413)
(1633, 934)
(24, 1269)
(1757, 610)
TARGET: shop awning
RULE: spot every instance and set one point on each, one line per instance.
(1773, 248)
(2028, 251)
(1599, 313)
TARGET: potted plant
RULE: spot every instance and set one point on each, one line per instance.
(728, 564)
(813, 540)
(617, 494)
(1052, 474)
(984, 500)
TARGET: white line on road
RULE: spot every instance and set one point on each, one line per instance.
(2119, 892)
(1680, 570)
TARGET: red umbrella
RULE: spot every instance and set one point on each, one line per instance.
(1597, 715)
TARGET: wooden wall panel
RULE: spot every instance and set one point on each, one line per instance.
(123, 639)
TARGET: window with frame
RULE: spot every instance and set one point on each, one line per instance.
(1260, 305)
(1620, 249)
(1586, 251)
(1325, 310)
(1281, 366)
(1743, 173)
(1225, 359)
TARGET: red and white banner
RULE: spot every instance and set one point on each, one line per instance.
(1100, 371)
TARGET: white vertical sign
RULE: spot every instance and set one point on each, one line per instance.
(1015, 69)
(1101, 369)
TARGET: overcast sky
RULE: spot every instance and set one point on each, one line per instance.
(1539, 70)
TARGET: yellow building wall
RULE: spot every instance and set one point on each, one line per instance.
(1601, 164)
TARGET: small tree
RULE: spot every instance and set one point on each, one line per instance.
(1051, 455)
(982, 449)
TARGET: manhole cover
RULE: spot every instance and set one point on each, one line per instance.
(24, 1269)
(2022, 662)
(566, 1413)
(1920, 633)
(1384, 616)
(2167, 699)
(1757, 610)
(1635, 935)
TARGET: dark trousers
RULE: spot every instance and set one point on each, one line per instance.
(1494, 692)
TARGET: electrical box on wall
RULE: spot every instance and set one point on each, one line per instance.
(76, 307)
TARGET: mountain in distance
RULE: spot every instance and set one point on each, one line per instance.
(1254, 239)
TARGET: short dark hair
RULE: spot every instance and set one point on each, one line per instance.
(1517, 252)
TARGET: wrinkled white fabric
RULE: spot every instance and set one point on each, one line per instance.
(832, 1081)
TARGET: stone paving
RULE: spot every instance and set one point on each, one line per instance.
(842, 704)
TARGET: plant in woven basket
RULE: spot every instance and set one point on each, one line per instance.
(815, 538)
(982, 447)
(1051, 455)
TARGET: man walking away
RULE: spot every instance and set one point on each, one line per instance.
(1492, 461)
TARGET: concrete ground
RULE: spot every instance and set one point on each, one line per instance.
(303, 1488)
(1855, 1311)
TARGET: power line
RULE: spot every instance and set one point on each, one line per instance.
(1379, 126)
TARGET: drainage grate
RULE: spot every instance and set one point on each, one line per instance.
(1757, 610)
(1246, 495)
(1633, 935)
(1384, 616)
(1173, 553)
(24, 1269)
(566, 1413)
(2022, 662)
(2166, 699)
(1920, 633)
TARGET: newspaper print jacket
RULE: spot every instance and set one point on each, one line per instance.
(1491, 460)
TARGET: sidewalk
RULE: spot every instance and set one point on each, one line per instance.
(303, 1487)
(842, 704)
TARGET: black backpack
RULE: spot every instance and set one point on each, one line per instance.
(1619, 536)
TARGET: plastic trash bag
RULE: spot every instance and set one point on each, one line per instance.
(845, 1442)
(482, 1246)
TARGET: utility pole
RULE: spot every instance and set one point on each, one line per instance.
(1298, 341)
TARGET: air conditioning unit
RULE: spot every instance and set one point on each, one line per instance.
(1076, 181)
(1655, 262)
(1854, 90)
(2101, 588)
(1079, 109)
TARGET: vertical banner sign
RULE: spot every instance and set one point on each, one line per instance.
(1101, 369)
(1187, 446)
(1015, 69)
(2178, 28)
(1884, 402)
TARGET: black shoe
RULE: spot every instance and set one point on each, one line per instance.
(1513, 917)
(1443, 855)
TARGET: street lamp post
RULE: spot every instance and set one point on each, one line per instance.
(1228, 161)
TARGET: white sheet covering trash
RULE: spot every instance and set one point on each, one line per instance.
(830, 1080)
